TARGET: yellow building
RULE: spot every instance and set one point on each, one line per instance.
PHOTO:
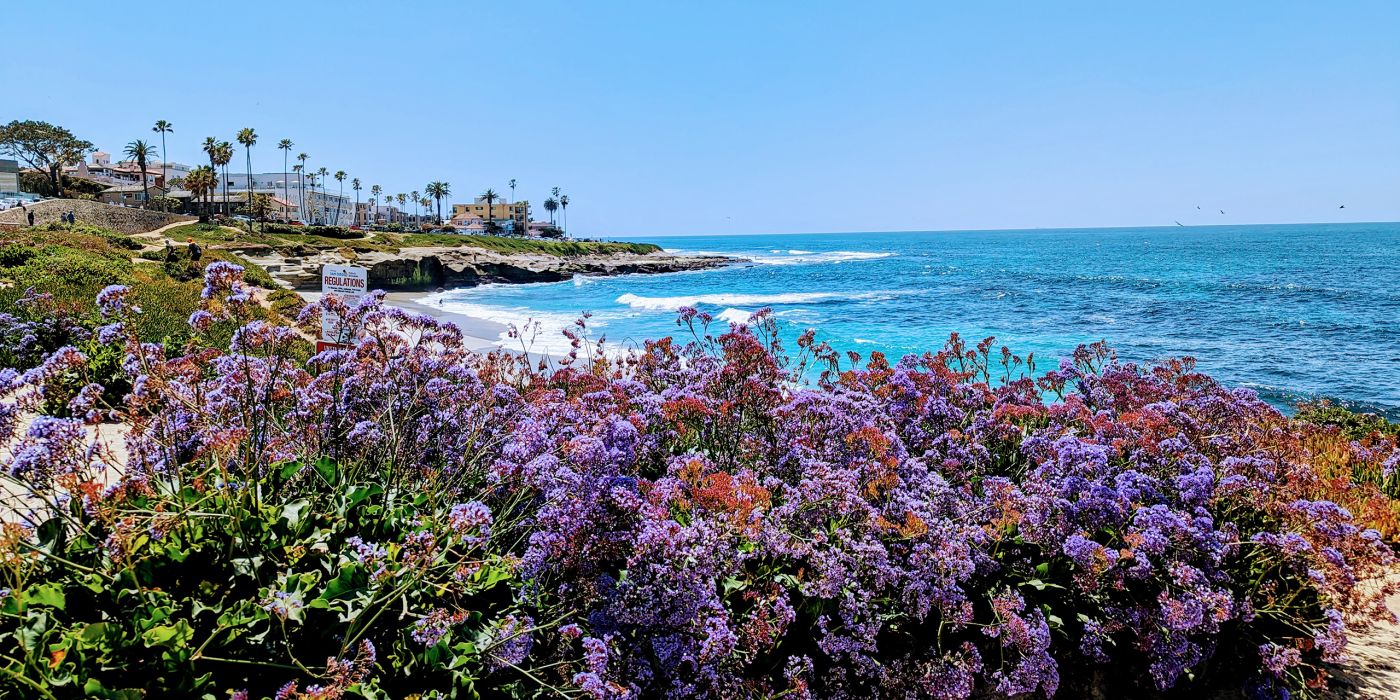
(501, 212)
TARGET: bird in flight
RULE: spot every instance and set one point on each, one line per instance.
(1222, 211)
(1180, 224)
(1342, 207)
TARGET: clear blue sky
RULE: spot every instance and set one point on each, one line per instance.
(719, 117)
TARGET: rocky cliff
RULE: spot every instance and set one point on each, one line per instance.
(430, 268)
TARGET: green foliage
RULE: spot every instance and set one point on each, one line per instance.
(526, 245)
(286, 302)
(210, 589)
(340, 232)
(1353, 425)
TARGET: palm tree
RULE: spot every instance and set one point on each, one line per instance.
(403, 199)
(427, 204)
(551, 205)
(564, 206)
(355, 185)
(490, 196)
(437, 190)
(201, 183)
(301, 188)
(321, 175)
(286, 146)
(376, 190)
(224, 156)
(140, 151)
(512, 190)
(248, 138)
(211, 149)
(163, 127)
(413, 197)
(339, 177)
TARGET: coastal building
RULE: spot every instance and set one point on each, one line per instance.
(128, 195)
(305, 203)
(9, 178)
(103, 171)
(510, 216)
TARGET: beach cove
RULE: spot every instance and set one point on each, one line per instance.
(1293, 311)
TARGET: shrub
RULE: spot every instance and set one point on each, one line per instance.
(714, 519)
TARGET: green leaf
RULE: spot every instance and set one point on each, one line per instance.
(292, 512)
(52, 535)
(290, 469)
(46, 594)
(169, 635)
(328, 470)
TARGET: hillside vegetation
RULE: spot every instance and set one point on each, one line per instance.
(282, 239)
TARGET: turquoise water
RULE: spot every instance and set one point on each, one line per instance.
(1292, 311)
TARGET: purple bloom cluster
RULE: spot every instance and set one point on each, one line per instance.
(709, 520)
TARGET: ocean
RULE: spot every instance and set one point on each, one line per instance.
(1292, 311)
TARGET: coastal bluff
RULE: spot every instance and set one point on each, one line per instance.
(462, 266)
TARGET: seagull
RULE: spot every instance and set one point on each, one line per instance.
(1222, 211)
(1198, 206)
(1180, 224)
(1342, 207)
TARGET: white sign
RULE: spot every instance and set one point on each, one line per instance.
(347, 283)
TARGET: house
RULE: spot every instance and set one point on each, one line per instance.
(128, 195)
(9, 177)
(509, 216)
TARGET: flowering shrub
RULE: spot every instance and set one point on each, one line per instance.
(709, 519)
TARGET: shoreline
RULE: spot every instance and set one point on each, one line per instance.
(478, 334)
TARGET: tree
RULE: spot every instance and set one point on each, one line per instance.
(211, 149)
(248, 138)
(163, 127)
(551, 205)
(340, 178)
(44, 147)
(141, 152)
(286, 147)
(427, 204)
(301, 189)
(201, 183)
(403, 199)
(413, 197)
(512, 190)
(223, 155)
(321, 175)
(374, 203)
(490, 196)
(355, 185)
(437, 190)
(564, 207)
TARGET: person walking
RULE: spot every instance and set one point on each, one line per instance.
(169, 251)
(195, 252)
(31, 218)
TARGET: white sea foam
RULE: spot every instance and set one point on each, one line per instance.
(736, 300)
(804, 257)
(733, 315)
(864, 341)
(542, 331)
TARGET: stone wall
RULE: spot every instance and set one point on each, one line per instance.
(120, 219)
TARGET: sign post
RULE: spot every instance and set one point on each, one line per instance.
(347, 283)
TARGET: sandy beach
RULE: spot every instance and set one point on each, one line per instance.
(478, 334)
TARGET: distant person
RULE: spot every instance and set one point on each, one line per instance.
(195, 252)
(31, 218)
(169, 251)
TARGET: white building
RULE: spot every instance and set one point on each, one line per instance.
(312, 206)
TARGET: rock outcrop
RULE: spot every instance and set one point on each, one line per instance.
(430, 268)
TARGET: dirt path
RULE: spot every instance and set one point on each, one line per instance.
(1374, 670)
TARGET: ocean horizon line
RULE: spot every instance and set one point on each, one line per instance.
(1168, 227)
